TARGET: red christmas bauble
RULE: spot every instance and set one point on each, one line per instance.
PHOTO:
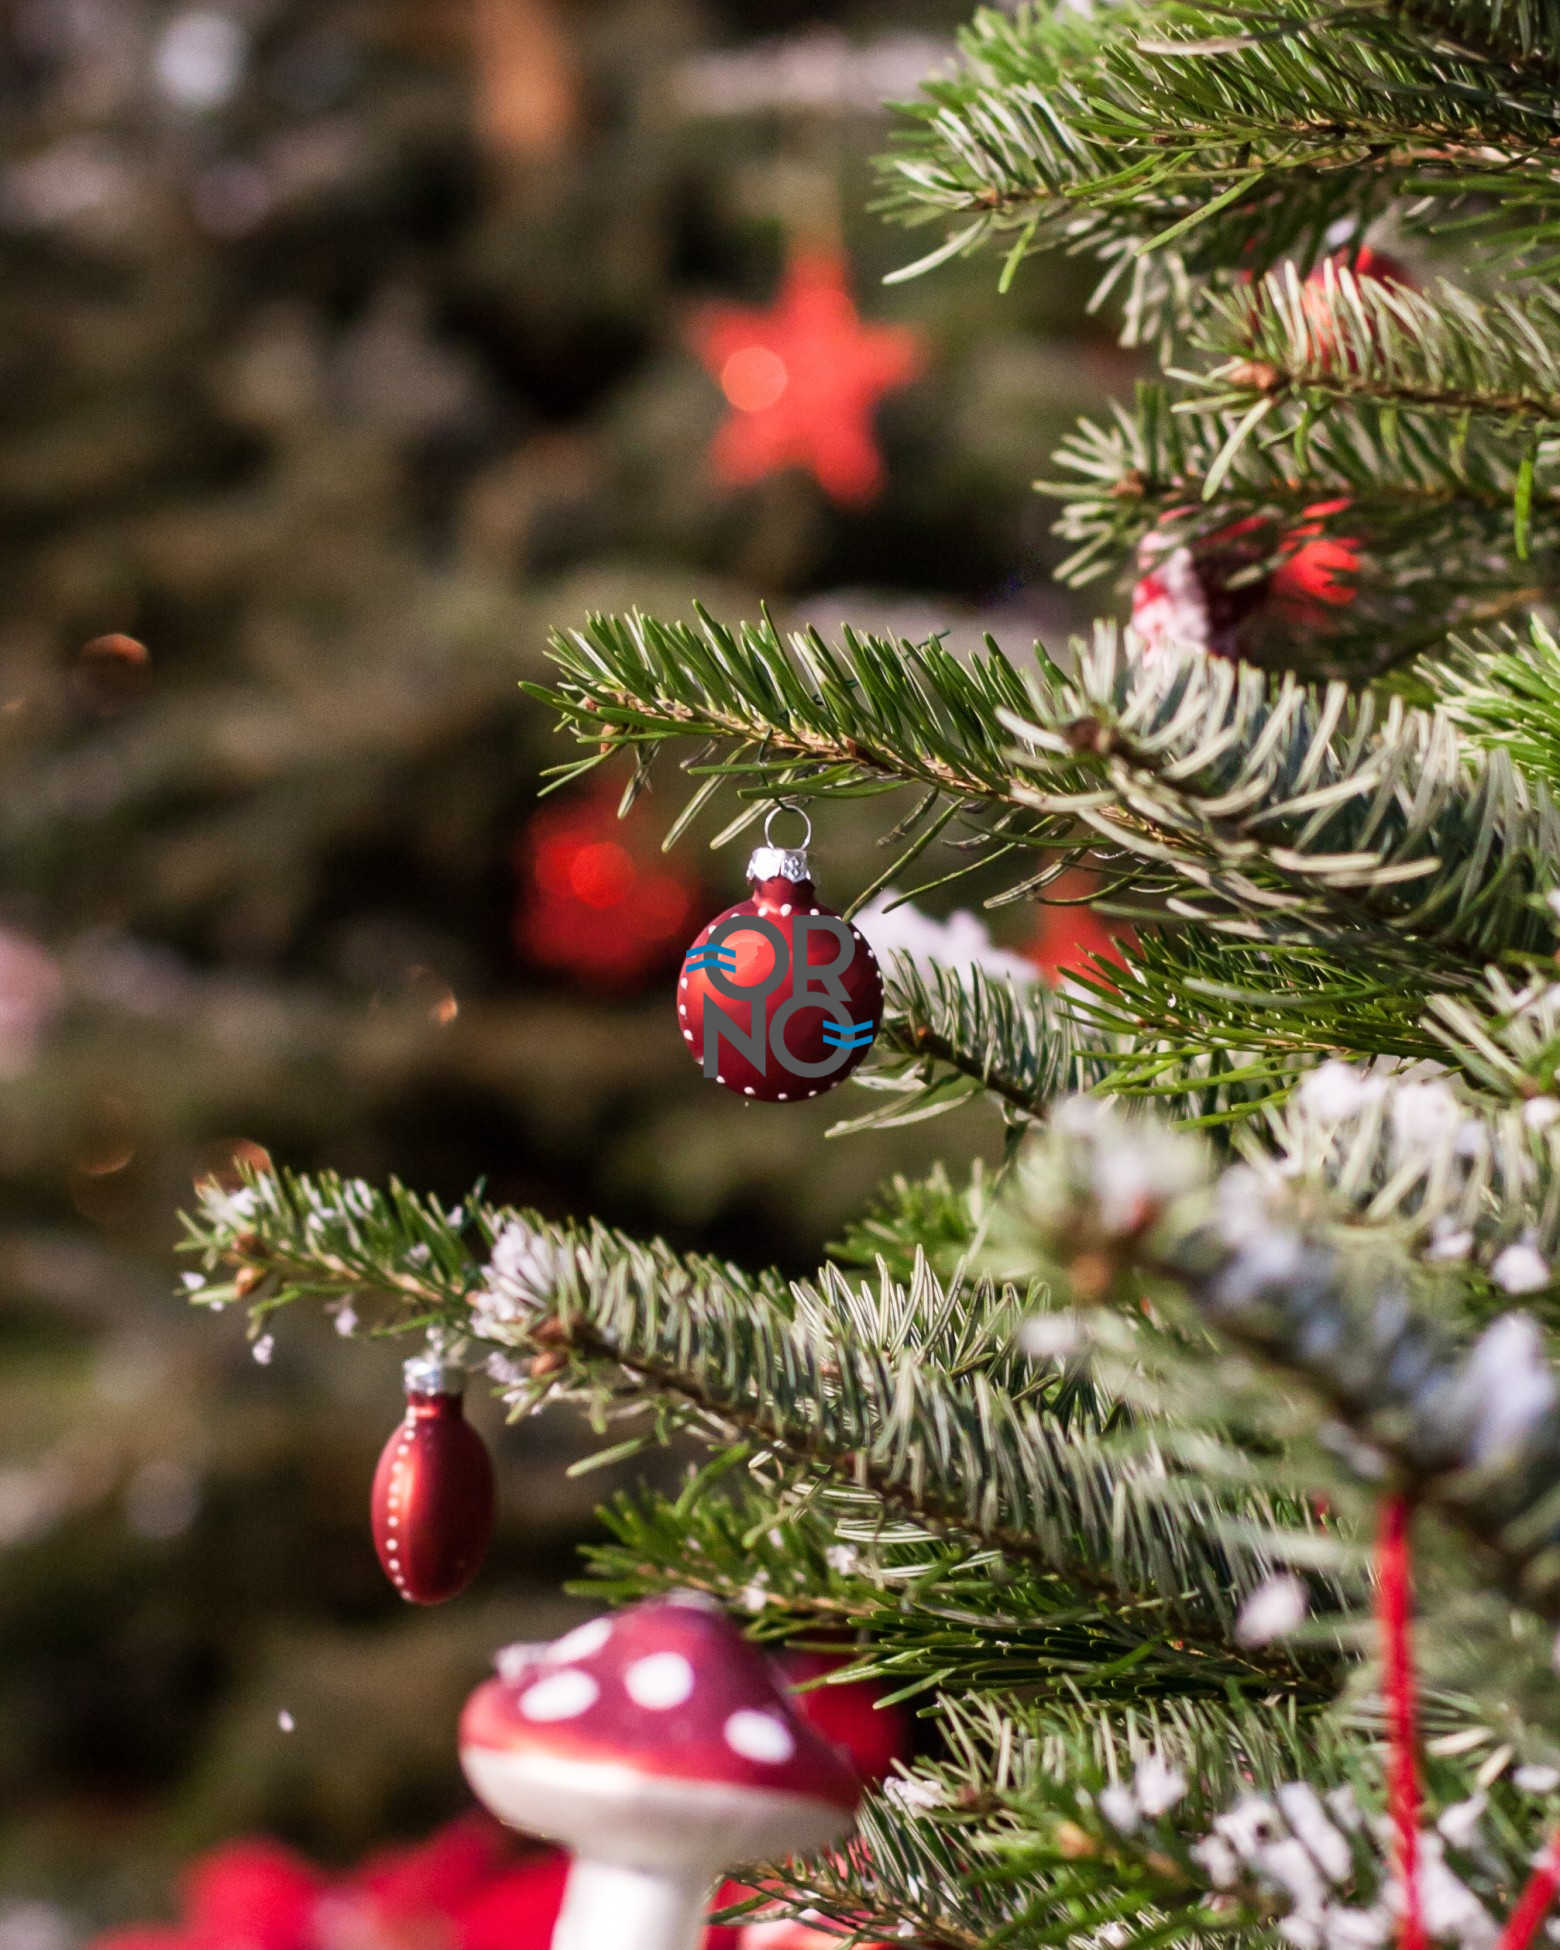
(595, 899)
(874, 1736)
(779, 998)
(433, 1492)
(1317, 296)
(1213, 594)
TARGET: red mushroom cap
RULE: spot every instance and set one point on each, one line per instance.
(669, 1689)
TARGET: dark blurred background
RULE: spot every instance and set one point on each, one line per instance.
(344, 350)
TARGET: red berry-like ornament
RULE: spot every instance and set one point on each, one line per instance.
(433, 1490)
(1319, 294)
(1215, 596)
(780, 997)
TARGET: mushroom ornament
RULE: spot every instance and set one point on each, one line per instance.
(660, 1746)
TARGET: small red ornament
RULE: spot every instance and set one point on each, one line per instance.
(1214, 595)
(433, 1490)
(779, 998)
(1070, 937)
(1318, 295)
(595, 898)
(1318, 571)
(875, 1736)
(802, 379)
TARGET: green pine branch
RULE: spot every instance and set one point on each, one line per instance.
(1420, 1159)
(1272, 812)
(1263, 810)
(1503, 689)
(804, 1560)
(1452, 522)
(908, 1396)
(946, 1038)
(1207, 127)
(1343, 337)
(1185, 1822)
(1193, 1010)
(1479, 1442)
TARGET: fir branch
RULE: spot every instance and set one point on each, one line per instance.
(1273, 813)
(1437, 498)
(1480, 1446)
(1216, 1029)
(929, 1218)
(1411, 1155)
(1503, 688)
(1149, 125)
(880, 712)
(1507, 1039)
(1269, 813)
(1023, 1047)
(800, 1559)
(1182, 1823)
(1350, 338)
(905, 1395)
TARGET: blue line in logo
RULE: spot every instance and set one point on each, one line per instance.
(711, 958)
(857, 1036)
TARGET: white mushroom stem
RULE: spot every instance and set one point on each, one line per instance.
(609, 1906)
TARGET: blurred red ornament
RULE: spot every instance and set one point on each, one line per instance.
(462, 1889)
(432, 1505)
(1214, 594)
(1319, 295)
(874, 1736)
(1317, 571)
(1069, 937)
(596, 898)
(251, 1896)
(802, 379)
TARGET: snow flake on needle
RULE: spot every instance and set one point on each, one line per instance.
(1274, 1610)
(522, 1274)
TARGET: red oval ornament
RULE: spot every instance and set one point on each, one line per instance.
(432, 1502)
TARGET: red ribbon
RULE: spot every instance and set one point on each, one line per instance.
(1533, 1904)
(1395, 1602)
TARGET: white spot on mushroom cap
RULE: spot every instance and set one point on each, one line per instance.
(759, 1736)
(660, 1681)
(560, 1696)
(513, 1662)
(582, 1643)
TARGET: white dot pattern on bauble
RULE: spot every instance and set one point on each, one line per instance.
(582, 1643)
(400, 1484)
(759, 1736)
(659, 1681)
(561, 1696)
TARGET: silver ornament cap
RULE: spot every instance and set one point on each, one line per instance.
(433, 1373)
(779, 863)
(771, 862)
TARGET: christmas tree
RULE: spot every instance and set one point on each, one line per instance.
(318, 417)
(1104, 1458)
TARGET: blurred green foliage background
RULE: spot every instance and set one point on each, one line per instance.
(343, 351)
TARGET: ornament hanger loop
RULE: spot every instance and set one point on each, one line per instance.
(787, 805)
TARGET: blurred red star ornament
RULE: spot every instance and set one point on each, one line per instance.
(802, 380)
